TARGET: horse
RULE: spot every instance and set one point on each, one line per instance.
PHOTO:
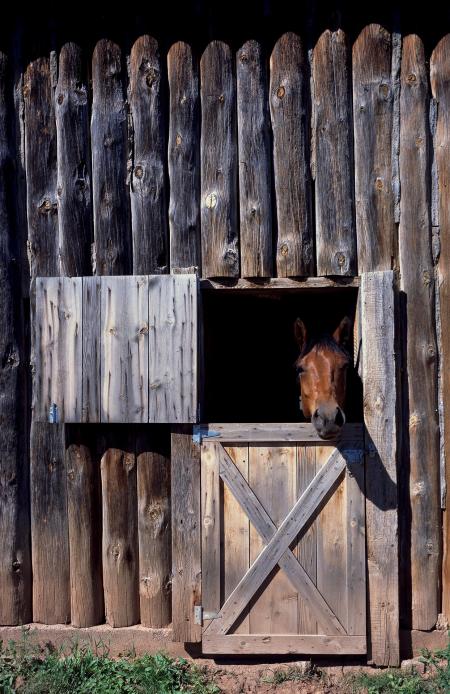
(322, 368)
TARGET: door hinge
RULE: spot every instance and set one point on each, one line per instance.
(200, 431)
(200, 614)
(53, 416)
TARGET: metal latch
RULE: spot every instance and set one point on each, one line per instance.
(200, 614)
(53, 417)
(202, 432)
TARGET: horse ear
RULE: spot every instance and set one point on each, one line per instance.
(343, 332)
(300, 333)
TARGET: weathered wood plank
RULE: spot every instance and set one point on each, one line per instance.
(290, 528)
(148, 178)
(255, 183)
(124, 349)
(302, 433)
(184, 160)
(173, 348)
(306, 283)
(379, 378)
(15, 562)
(331, 547)
(355, 516)
(265, 526)
(333, 156)
(307, 547)
(91, 363)
(74, 165)
(272, 479)
(211, 530)
(119, 540)
(417, 282)
(235, 536)
(292, 178)
(373, 123)
(109, 138)
(186, 534)
(58, 348)
(85, 544)
(49, 529)
(279, 644)
(218, 153)
(440, 84)
(153, 490)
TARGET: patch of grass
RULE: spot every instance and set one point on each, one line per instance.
(30, 670)
(293, 674)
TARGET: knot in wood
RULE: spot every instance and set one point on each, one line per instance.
(16, 566)
(419, 141)
(144, 329)
(138, 171)
(178, 140)
(207, 521)
(108, 141)
(284, 249)
(243, 57)
(340, 258)
(426, 278)
(281, 92)
(221, 98)
(411, 78)
(384, 90)
(211, 201)
(115, 551)
(60, 99)
(47, 207)
(71, 474)
(379, 183)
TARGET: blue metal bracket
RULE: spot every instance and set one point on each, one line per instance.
(200, 431)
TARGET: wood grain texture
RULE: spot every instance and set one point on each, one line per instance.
(211, 529)
(186, 534)
(154, 528)
(120, 540)
(91, 363)
(148, 178)
(373, 123)
(279, 644)
(124, 349)
(184, 160)
(380, 399)
(85, 543)
(440, 84)
(235, 537)
(255, 175)
(355, 516)
(417, 284)
(272, 473)
(306, 283)
(74, 163)
(49, 529)
(218, 152)
(109, 141)
(58, 353)
(307, 546)
(289, 109)
(333, 156)
(15, 562)
(266, 432)
(173, 348)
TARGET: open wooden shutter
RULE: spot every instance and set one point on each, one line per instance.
(116, 349)
(283, 541)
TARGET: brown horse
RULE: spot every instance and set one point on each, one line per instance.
(322, 371)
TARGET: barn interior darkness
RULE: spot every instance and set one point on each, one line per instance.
(250, 350)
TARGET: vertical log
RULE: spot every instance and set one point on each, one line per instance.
(148, 189)
(112, 240)
(417, 282)
(74, 168)
(220, 252)
(49, 530)
(184, 160)
(153, 489)
(15, 565)
(120, 545)
(254, 162)
(373, 121)
(292, 178)
(186, 534)
(333, 156)
(84, 512)
(440, 83)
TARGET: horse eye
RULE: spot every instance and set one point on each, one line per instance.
(299, 370)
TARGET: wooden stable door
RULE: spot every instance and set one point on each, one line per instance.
(283, 541)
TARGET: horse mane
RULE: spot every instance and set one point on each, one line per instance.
(321, 342)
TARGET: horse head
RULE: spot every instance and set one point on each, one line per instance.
(322, 370)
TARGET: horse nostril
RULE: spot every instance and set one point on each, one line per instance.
(339, 419)
(316, 414)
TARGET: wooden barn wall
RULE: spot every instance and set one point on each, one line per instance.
(312, 153)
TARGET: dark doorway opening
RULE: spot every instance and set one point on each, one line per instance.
(250, 350)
